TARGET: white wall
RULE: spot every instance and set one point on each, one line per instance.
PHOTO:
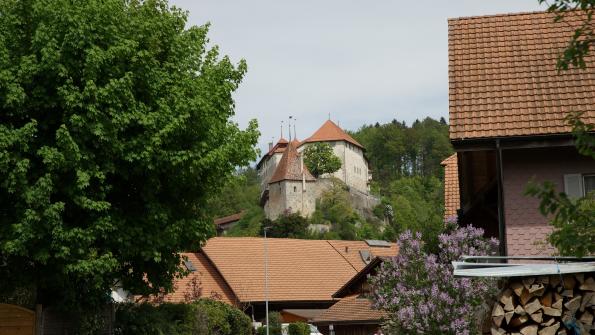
(354, 167)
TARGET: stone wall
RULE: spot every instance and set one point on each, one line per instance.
(290, 196)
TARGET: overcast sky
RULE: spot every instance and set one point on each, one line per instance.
(361, 61)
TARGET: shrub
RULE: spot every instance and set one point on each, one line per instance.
(298, 328)
(275, 323)
(203, 317)
(418, 291)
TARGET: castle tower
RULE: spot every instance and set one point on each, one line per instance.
(354, 170)
(292, 186)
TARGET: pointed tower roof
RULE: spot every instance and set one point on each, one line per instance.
(277, 148)
(331, 132)
(290, 166)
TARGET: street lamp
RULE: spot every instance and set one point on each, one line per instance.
(266, 278)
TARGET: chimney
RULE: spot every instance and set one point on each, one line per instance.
(270, 146)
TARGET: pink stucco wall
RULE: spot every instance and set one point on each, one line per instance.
(526, 228)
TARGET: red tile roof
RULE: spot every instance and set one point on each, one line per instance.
(331, 132)
(291, 167)
(279, 147)
(230, 218)
(503, 78)
(299, 270)
(351, 309)
(452, 199)
(206, 281)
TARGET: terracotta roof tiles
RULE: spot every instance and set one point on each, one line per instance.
(503, 79)
(329, 131)
(452, 200)
(291, 167)
(299, 270)
(205, 281)
(279, 147)
(350, 309)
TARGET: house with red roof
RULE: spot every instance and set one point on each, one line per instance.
(301, 275)
(287, 186)
(507, 106)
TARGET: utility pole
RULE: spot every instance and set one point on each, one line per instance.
(266, 278)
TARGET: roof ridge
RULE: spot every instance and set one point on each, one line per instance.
(498, 15)
(330, 131)
(340, 254)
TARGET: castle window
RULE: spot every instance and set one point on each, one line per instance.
(294, 189)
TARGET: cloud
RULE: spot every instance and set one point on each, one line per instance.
(361, 61)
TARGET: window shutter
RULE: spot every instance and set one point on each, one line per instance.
(573, 185)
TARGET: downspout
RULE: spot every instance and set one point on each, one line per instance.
(501, 220)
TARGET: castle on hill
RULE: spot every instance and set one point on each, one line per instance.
(287, 186)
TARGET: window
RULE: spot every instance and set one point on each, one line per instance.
(578, 185)
(589, 183)
(295, 189)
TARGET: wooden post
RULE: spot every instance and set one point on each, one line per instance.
(38, 320)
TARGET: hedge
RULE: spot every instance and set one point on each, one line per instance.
(298, 328)
(203, 317)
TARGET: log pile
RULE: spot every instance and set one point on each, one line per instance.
(546, 305)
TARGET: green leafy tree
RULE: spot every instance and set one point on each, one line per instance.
(574, 233)
(583, 37)
(320, 159)
(417, 205)
(298, 328)
(250, 224)
(114, 131)
(334, 209)
(289, 225)
(240, 193)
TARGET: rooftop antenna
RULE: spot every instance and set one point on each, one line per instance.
(294, 132)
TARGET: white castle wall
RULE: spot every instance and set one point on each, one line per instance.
(354, 168)
(267, 169)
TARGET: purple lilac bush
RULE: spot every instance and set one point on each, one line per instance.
(419, 292)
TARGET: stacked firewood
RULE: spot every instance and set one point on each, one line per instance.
(546, 305)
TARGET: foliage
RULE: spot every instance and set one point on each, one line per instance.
(583, 37)
(275, 323)
(419, 292)
(320, 159)
(204, 317)
(583, 133)
(289, 225)
(261, 330)
(298, 328)
(416, 204)
(250, 224)
(114, 130)
(396, 150)
(405, 162)
(335, 210)
(240, 193)
(574, 233)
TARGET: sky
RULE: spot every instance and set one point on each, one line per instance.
(360, 62)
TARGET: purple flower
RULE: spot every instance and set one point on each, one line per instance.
(418, 290)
